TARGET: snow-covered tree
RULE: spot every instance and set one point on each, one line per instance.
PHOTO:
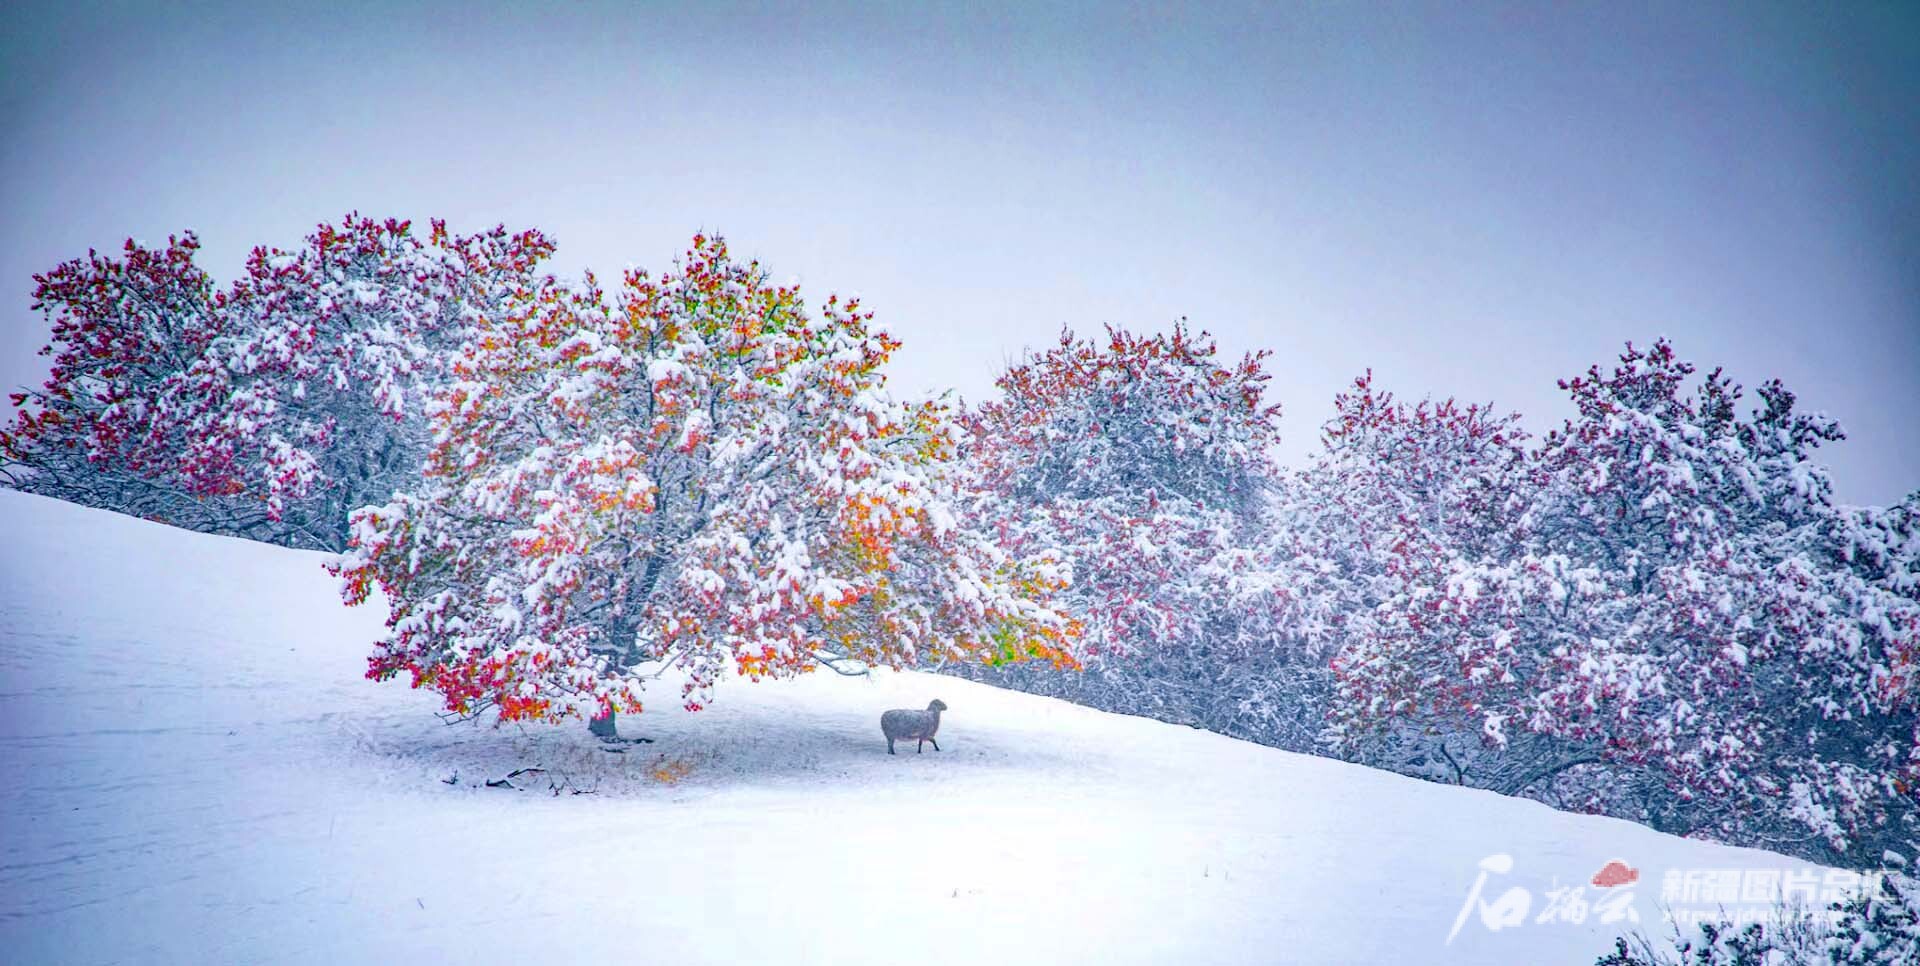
(1679, 597)
(313, 402)
(268, 410)
(103, 429)
(1146, 461)
(1365, 532)
(1392, 485)
(696, 474)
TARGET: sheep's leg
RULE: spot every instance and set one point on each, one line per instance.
(919, 746)
(936, 745)
(889, 746)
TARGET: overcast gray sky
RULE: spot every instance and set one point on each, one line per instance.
(1472, 200)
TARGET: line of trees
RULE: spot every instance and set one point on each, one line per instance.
(1657, 611)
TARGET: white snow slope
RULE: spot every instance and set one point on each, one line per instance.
(192, 769)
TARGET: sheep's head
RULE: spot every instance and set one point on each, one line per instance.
(937, 705)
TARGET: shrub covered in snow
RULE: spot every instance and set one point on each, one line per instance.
(1880, 928)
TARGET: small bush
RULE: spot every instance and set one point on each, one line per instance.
(669, 771)
(1879, 929)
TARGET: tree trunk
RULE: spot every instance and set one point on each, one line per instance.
(602, 727)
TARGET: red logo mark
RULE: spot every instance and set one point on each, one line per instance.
(1616, 873)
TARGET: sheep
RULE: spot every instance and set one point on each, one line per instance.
(903, 724)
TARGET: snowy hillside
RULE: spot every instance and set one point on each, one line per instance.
(195, 770)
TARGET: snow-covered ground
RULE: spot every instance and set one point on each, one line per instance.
(193, 769)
